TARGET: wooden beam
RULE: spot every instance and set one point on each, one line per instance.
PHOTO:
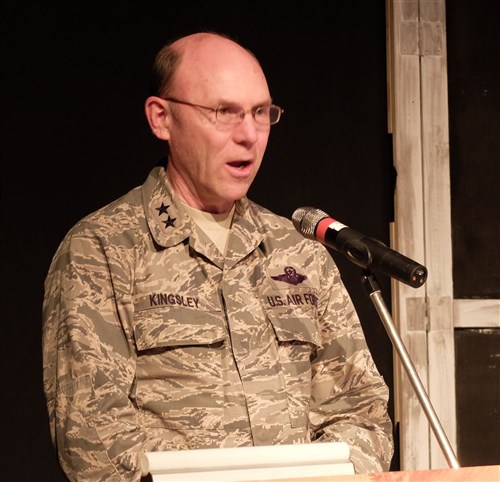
(418, 119)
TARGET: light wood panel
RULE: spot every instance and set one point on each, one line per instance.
(422, 228)
(487, 473)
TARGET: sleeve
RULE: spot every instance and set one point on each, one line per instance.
(89, 365)
(349, 396)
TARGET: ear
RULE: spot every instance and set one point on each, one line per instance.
(158, 117)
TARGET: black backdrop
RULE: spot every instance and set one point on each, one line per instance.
(74, 137)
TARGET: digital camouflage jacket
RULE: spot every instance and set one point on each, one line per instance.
(152, 340)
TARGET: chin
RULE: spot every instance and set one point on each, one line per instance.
(234, 193)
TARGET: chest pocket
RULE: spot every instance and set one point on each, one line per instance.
(179, 380)
(297, 339)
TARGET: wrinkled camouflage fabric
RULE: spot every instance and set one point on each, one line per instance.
(152, 340)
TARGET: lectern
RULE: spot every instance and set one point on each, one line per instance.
(249, 463)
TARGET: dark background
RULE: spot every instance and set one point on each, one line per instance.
(473, 36)
(74, 137)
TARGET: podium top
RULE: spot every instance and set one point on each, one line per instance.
(486, 473)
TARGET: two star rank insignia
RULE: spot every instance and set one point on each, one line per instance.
(164, 210)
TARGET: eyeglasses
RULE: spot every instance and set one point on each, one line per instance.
(233, 113)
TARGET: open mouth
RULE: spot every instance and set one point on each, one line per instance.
(239, 164)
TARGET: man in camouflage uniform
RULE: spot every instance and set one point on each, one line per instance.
(166, 329)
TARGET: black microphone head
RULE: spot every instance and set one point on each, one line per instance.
(306, 219)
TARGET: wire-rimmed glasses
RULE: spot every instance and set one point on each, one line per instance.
(267, 115)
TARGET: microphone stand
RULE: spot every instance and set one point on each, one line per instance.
(373, 290)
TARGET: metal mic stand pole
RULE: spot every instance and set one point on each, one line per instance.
(374, 292)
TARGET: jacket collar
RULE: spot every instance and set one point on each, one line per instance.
(170, 224)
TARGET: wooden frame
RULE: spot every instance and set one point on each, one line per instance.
(418, 120)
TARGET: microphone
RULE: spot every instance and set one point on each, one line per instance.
(366, 252)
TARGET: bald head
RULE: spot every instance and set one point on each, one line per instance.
(206, 40)
(198, 55)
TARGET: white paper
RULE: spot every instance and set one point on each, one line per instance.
(249, 463)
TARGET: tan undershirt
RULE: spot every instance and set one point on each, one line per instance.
(216, 226)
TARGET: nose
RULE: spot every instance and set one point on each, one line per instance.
(247, 130)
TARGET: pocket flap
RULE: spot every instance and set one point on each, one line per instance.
(290, 327)
(177, 326)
